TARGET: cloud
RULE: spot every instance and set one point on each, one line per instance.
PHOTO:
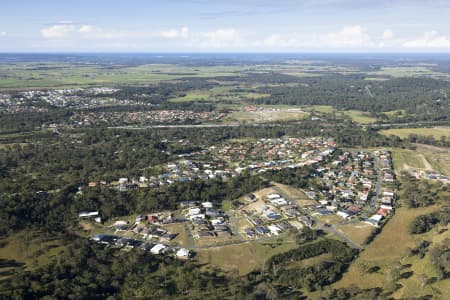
(86, 29)
(388, 34)
(221, 37)
(277, 40)
(3, 33)
(430, 39)
(58, 31)
(68, 30)
(183, 32)
(348, 36)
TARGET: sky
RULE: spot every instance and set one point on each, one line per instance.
(297, 26)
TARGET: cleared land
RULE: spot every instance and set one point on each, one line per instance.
(403, 159)
(27, 251)
(408, 71)
(388, 248)
(267, 115)
(435, 132)
(356, 115)
(359, 116)
(437, 157)
(425, 157)
(244, 257)
(357, 232)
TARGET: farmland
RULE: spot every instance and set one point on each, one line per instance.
(29, 75)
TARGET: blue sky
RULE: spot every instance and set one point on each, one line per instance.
(225, 26)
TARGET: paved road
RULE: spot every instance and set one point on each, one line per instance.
(437, 123)
(233, 227)
(331, 229)
(263, 239)
(374, 199)
(175, 126)
(194, 126)
(190, 237)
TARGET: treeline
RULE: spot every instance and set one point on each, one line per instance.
(96, 154)
(161, 92)
(316, 276)
(440, 256)
(56, 211)
(297, 177)
(443, 141)
(425, 223)
(87, 271)
(414, 95)
(421, 193)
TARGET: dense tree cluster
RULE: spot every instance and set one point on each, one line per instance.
(421, 193)
(312, 277)
(440, 256)
(415, 95)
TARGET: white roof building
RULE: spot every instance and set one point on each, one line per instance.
(158, 249)
(183, 253)
(207, 204)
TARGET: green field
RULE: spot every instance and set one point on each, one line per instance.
(388, 248)
(193, 96)
(402, 157)
(320, 108)
(359, 116)
(217, 94)
(437, 157)
(29, 249)
(410, 71)
(266, 116)
(357, 232)
(244, 257)
(435, 132)
(28, 75)
(356, 115)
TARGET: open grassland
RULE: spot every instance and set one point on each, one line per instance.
(408, 71)
(359, 116)
(307, 69)
(423, 268)
(356, 115)
(182, 237)
(290, 192)
(244, 257)
(3, 146)
(218, 94)
(435, 132)
(267, 115)
(437, 157)
(193, 96)
(319, 108)
(425, 157)
(376, 78)
(27, 250)
(357, 232)
(388, 248)
(394, 113)
(403, 158)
